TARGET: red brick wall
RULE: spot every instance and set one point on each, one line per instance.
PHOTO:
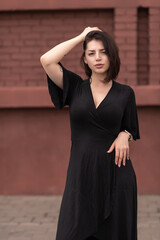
(25, 36)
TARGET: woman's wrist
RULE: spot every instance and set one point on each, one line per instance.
(127, 135)
(130, 137)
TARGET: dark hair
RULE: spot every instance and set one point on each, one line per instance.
(111, 51)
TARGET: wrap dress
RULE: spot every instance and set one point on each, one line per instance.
(99, 199)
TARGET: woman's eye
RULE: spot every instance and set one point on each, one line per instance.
(90, 54)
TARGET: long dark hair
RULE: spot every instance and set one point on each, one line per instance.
(111, 51)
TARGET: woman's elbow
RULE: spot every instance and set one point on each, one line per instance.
(43, 60)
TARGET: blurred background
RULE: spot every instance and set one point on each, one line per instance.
(34, 136)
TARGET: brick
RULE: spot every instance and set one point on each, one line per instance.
(154, 41)
(153, 32)
(143, 55)
(44, 29)
(131, 54)
(8, 50)
(125, 26)
(120, 26)
(154, 81)
(131, 11)
(154, 69)
(120, 11)
(32, 43)
(131, 40)
(154, 75)
(142, 61)
(143, 27)
(20, 29)
(28, 22)
(154, 55)
(125, 19)
(9, 36)
(48, 22)
(142, 69)
(120, 40)
(12, 77)
(21, 56)
(131, 68)
(30, 35)
(58, 36)
(7, 22)
(154, 11)
(30, 50)
(143, 41)
(119, 33)
(5, 56)
(128, 47)
(9, 64)
(155, 48)
(125, 11)
(154, 25)
(4, 30)
(18, 43)
(154, 18)
(7, 43)
(155, 62)
(30, 63)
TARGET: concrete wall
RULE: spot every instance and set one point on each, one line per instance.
(34, 136)
(35, 147)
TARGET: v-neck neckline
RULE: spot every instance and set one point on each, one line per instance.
(105, 97)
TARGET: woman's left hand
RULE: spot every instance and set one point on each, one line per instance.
(121, 145)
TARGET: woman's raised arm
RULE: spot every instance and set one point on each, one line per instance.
(50, 59)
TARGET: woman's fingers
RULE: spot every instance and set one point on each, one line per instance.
(120, 158)
(111, 148)
(116, 156)
(124, 157)
(128, 153)
(121, 155)
(89, 29)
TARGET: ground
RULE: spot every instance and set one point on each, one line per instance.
(35, 217)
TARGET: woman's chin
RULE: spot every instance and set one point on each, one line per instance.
(100, 71)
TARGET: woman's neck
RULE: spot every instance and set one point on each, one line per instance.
(98, 79)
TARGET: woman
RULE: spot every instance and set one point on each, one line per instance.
(100, 196)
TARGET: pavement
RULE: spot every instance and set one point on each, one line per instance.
(35, 217)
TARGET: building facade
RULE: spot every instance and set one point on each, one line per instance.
(34, 136)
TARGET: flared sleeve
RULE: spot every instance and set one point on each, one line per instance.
(130, 117)
(61, 97)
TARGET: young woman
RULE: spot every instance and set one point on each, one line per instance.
(100, 196)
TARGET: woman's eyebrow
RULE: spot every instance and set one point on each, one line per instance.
(94, 50)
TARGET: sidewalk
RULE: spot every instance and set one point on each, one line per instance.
(35, 217)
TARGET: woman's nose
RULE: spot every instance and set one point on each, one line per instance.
(98, 56)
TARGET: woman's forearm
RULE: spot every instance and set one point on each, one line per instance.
(58, 52)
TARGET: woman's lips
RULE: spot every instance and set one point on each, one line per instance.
(99, 65)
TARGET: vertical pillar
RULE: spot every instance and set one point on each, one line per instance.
(154, 45)
(126, 38)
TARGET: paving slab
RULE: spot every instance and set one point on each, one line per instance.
(35, 217)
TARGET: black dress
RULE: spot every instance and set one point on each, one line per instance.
(100, 199)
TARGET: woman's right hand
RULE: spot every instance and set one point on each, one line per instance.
(87, 30)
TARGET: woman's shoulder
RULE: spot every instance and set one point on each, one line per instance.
(124, 87)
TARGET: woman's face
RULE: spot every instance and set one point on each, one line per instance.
(96, 58)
